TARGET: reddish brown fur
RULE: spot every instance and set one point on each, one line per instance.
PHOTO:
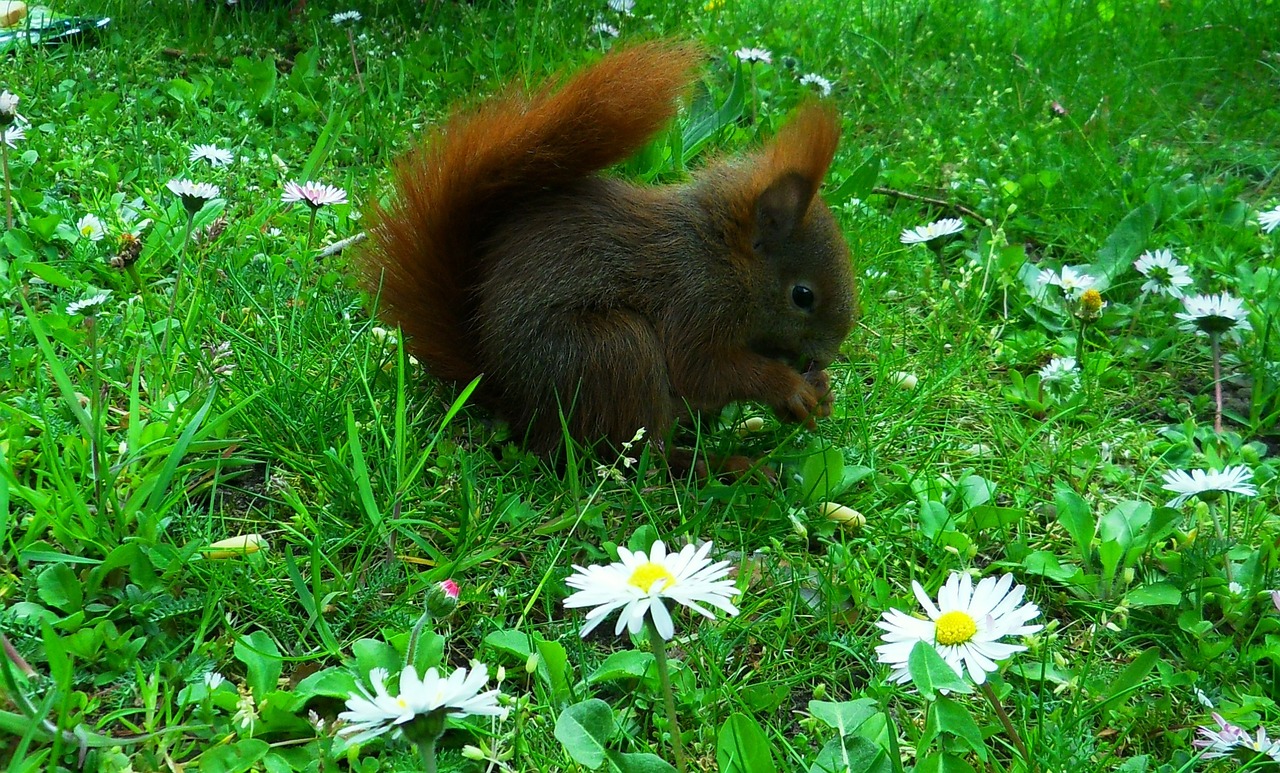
(505, 255)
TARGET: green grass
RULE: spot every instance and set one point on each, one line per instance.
(347, 459)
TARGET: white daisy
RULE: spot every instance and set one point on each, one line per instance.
(935, 230)
(313, 194)
(1221, 742)
(1165, 275)
(753, 55)
(9, 108)
(345, 16)
(90, 227)
(1221, 313)
(965, 627)
(1072, 281)
(1059, 369)
(213, 680)
(603, 28)
(215, 155)
(639, 585)
(368, 716)
(624, 7)
(91, 305)
(10, 135)
(1269, 219)
(1234, 479)
(813, 79)
(194, 195)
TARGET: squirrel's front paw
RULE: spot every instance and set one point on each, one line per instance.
(803, 405)
(821, 383)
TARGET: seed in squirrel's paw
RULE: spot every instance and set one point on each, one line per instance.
(907, 381)
(749, 425)
(845, 516)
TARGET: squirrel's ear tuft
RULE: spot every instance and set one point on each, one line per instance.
(790, 169)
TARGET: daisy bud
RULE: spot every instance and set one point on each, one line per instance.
(531, 664)
(1090, 305)
(442, 599)
(473, 753)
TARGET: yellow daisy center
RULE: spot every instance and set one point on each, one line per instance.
(648, 573)
(955, 627)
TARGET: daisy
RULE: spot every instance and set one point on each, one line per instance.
(965, 627)
(10, 135)
(215, 155)
(1269, 220)
(1072, 281)
(1059, 369)
(935, 230)
(640, 584)
(90, 227)
(1165, 275)
(89, 306)
(603, 28)
(1221, 742)
(194, 195)
(813, 79)
(1213, 314)
(9, 108)
(753, 55)
(345, 16)
(368, 716)
(623, 7)
(1198, 483)
(313, 194)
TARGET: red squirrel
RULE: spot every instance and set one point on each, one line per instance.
(504, 254)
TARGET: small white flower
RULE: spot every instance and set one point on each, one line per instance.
(1203, 699)
(345, 16)
(193, 195)
(8, 106)
(368, 716)
(1235, 588)
(246, 715)
(1072, 281)
(313, 194)
(1234, 479)
(1269, 219)
(91, 305)
(965, 627)
(215, 155)
(604, 29)
(753, 55)
(813, 79)
(1165, 275)
(935, 230)
(1059, 369)
(11, 135)
(90, 227)
(639, 584)
(213, 680)
(624, 7)
(1221, 313)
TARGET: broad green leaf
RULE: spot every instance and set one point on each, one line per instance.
(638, 763)
(954, 719)
(553, 666)
(584, 729)
(625, 665)
(1156, 594)
(1125, 243)
(262, 662)
(846, 716)
(1074, 515)
(943, 762)
(1129, 680)
(239, 756)
(975, 490)
(510, 642)
(931, 673)
(59, 587)
(375, 653)
(860, 181)
(851, 754)
(741, 747)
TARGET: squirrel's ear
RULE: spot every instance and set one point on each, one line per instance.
(781, 206)
(792, 167)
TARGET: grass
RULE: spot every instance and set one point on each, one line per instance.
(1080, 133)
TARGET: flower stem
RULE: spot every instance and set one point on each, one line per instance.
(351, 38)
(8, 193)
(659, 647)
(427, 748)
(95, 397)
(1216, 346)
(1009, 729)
(311, 228)
(1137, 312)
(177, 285)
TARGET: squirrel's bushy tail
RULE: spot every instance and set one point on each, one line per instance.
(460, 181)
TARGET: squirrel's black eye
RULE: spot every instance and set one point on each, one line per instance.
(802, 297)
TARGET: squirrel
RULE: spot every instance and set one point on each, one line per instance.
(616, 306)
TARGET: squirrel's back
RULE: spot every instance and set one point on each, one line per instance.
(426, 256)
